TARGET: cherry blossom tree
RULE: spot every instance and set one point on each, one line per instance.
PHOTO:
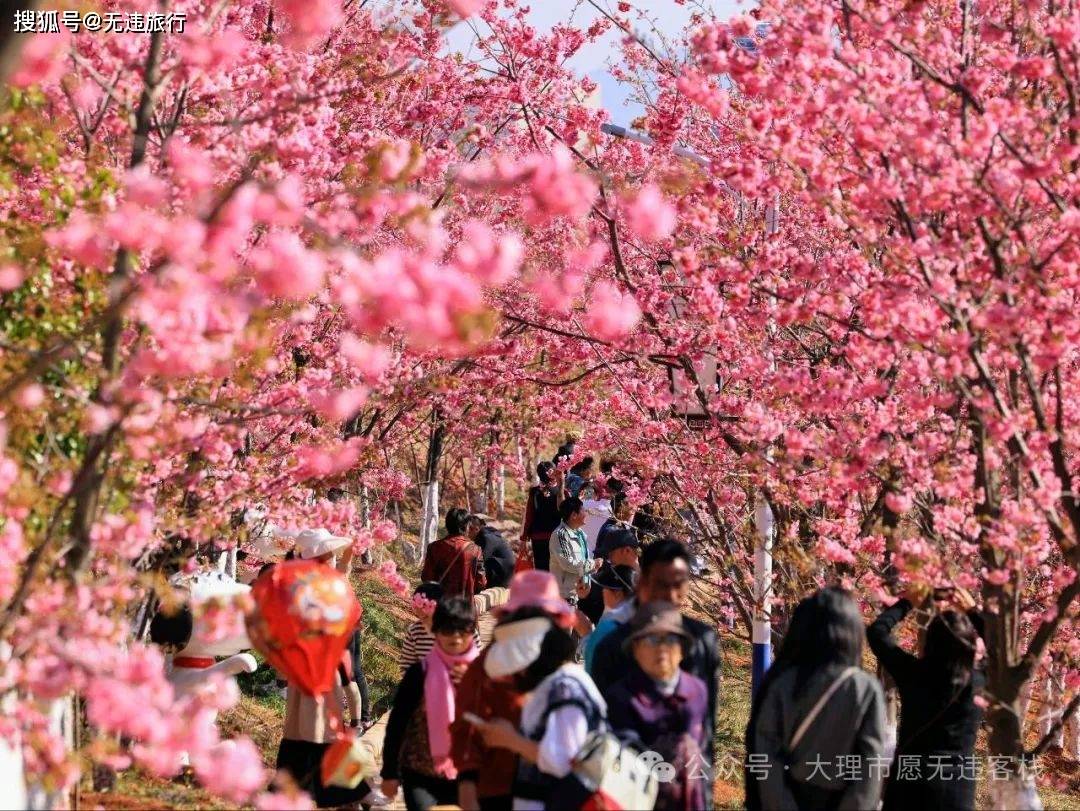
(896, 364)
(913, 323)
(304, 248)
(237, 272)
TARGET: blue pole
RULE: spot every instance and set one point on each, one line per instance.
(762, 625)
(763, 520)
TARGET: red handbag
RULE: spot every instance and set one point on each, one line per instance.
(524, 560)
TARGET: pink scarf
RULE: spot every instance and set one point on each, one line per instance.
(439, 702)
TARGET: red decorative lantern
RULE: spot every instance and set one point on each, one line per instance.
(304, 614)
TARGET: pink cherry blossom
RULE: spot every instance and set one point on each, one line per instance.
(610, 315)
(11, 276)
(898, 502)
(465, 8)
(371, 361)
(280, 801)
(30, 396)
(12, 553)
(232, 769)
(389, 573)
(309, 20)
(649, 215)
(557, 293)
(81, 240)
(42, 58)
(557, 189)
(490, 257)
(212, 52)
(285, 268)
(340, 404)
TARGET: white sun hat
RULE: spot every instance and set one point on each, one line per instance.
(311, 543)
(272, 541)
(515, 646)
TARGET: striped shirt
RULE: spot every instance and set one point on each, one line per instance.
(418, 643)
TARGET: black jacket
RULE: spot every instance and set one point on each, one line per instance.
(702, 658)
(498, 557)
(407, 699)
(592, 605)
(938, 721)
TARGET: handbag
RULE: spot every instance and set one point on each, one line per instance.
(613, 775)
(524, 561)
(348, 759)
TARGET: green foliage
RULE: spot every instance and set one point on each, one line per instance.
(262, 684)
(383, 630)
(43, 312)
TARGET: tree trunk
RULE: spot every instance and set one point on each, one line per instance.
(1005, 736)
(367, 558)
(62, 717)
(1071, 744)
(12, 771)
(1004, 677)
(1053, 703)
(489, 487)
(889, 521)
(465, 486)
(500, 491)
(429, 526)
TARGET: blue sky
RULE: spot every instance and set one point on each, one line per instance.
(669, 17)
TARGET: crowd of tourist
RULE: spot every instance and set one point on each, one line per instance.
(592, 644)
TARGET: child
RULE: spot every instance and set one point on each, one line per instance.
(416, 749)
(419, 640)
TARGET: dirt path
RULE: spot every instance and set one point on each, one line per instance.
(376, 736)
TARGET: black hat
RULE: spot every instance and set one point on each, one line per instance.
(622, 537)
(658, 617)
(617, 578)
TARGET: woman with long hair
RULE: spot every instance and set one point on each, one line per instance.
(817, 716)
(939, 718)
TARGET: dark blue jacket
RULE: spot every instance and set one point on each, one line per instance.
(499, 558)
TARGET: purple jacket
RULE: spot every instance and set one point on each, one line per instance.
(672, 725)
